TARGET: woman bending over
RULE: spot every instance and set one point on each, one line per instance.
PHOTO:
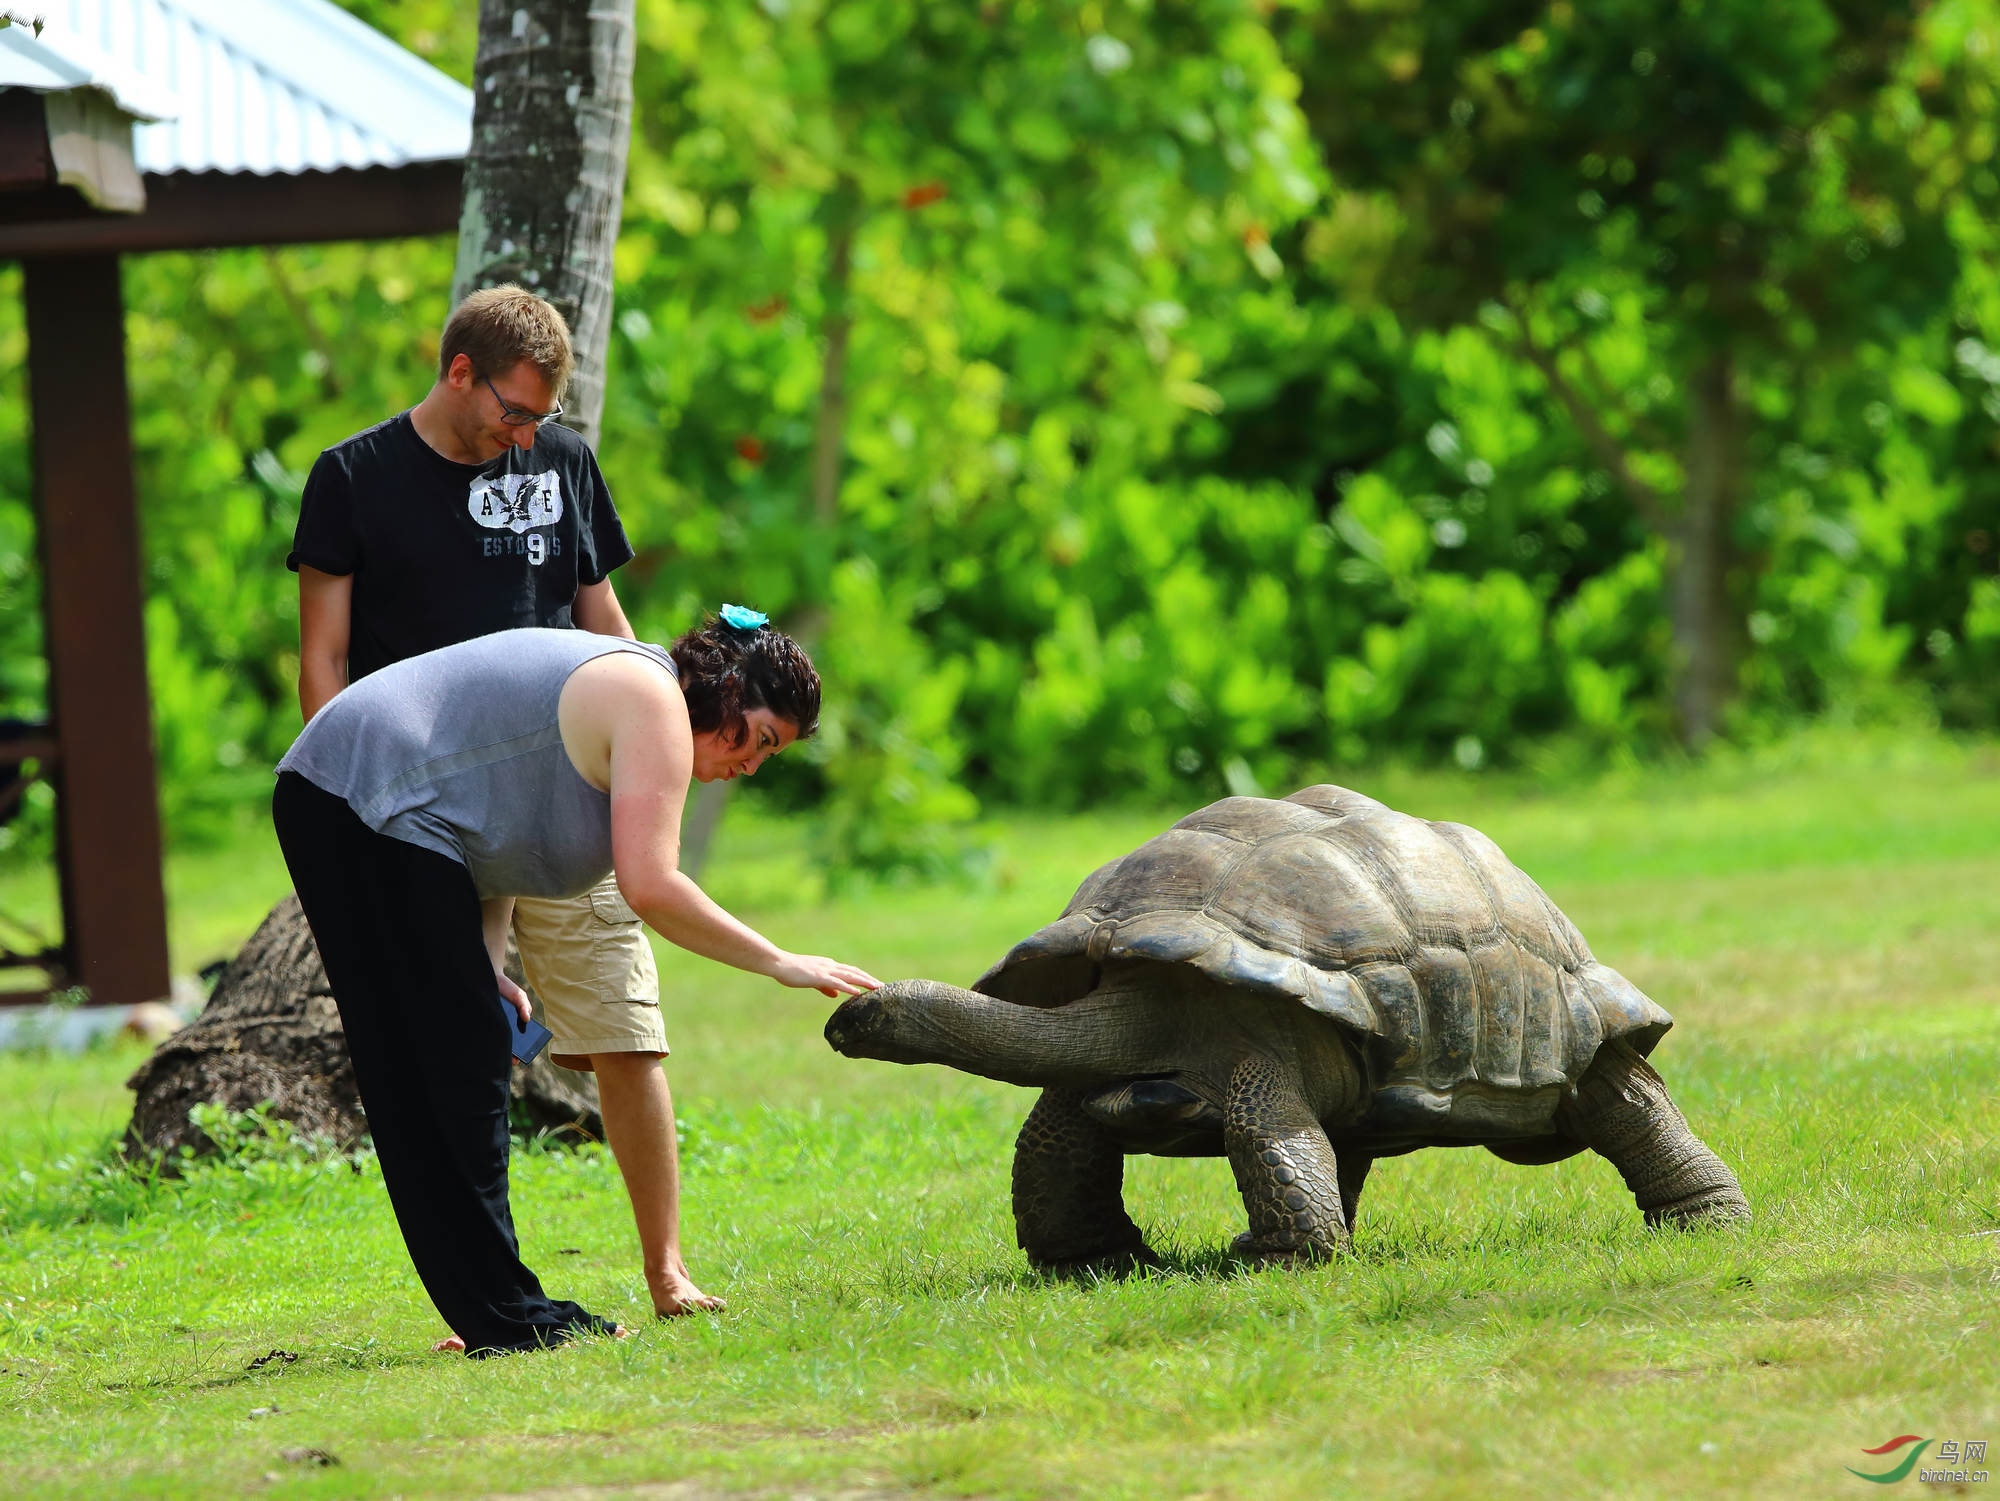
(422, 800)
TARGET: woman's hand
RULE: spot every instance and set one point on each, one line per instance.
(513, 995)
(827, 976)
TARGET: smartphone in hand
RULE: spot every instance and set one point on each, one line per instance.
(528, 1036)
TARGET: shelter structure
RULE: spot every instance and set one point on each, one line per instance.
(136, 126)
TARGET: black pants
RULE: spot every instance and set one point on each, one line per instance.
(398, 928)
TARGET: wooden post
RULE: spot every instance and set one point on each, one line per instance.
(107, 809)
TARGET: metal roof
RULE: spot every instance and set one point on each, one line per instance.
(260, 86)
(26, 63)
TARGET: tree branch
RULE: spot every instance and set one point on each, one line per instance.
(830, 423)
(329, 379)
(1643, 428)
(1649, 503)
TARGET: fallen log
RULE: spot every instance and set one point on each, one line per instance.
(270, 1035)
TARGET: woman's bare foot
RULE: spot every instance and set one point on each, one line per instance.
(674, 1294)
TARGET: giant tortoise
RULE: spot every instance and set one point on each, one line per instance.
(1302, 986)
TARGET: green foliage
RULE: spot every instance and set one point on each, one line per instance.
(1688, 219)
(29, 836)
(242, 366)
(1199, 425)
(1779, 174)
(890, 746)
(1033, 222)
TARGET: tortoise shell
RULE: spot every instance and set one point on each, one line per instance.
(1474, 1002)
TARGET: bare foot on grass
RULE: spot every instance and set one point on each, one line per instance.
(674, 1294)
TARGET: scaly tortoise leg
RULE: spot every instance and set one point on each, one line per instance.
(1069, 1176)
(1284, 1165)
(1622, 1111)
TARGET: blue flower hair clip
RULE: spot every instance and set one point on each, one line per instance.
(742, 617)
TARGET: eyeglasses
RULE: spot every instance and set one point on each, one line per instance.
(516, 416)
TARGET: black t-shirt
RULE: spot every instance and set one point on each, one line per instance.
(442, 552)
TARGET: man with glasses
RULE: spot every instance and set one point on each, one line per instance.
(476, 512)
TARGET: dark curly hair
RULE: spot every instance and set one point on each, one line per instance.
(726, 672)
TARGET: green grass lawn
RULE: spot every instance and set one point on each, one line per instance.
(1821, 922)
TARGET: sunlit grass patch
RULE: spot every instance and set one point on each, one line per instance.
(1497, 1331)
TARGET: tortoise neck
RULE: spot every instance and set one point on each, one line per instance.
(1104, 1035)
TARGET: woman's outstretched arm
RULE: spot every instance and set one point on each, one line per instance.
(682, 913)
(625, 720)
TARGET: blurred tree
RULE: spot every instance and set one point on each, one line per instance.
(1762, 184)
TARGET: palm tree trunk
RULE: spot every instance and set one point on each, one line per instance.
(545, 178)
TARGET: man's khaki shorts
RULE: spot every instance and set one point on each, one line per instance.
(587, 960)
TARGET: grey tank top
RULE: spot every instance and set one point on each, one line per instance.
(459, 751)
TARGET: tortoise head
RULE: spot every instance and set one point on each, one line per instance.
(899, 1023)
(924, 1021)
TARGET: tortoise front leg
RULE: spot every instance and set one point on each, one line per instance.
(1622, 1110)
(1284, 1165)
(1069, 1177)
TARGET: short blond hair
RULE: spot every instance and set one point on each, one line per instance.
(498, 327)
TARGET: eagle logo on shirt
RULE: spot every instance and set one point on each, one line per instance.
(516, 502)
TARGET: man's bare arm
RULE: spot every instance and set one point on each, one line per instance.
(597, 609)
(326, 618)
